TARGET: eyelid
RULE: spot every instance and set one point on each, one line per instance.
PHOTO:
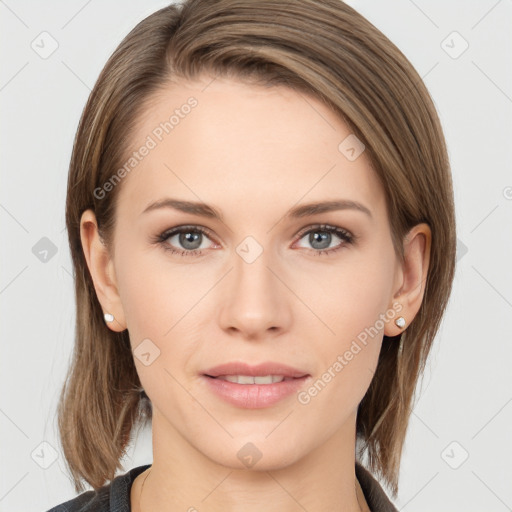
(191, 227)
(197, 227)
(347, 237)
(326, 227)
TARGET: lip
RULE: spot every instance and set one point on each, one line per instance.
(254, 396)
(267, 368)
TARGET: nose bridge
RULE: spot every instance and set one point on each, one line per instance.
(256, 300)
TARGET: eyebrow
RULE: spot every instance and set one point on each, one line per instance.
(205, 210)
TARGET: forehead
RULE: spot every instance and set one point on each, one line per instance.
(243, 147)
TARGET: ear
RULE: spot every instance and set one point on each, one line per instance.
(101, 267)
(410, 278)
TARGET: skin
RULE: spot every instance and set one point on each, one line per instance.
(253, 153)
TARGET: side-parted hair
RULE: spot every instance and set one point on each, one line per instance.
(322, 48)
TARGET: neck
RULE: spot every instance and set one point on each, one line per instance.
(182, 478)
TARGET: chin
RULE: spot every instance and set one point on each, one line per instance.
(255, 453)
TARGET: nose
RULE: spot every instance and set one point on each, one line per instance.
(256, 303)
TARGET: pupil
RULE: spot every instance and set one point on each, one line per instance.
(325, 240)
(189, 240)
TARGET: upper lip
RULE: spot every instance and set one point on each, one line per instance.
(262, 369)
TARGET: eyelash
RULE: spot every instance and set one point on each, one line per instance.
(347, 237)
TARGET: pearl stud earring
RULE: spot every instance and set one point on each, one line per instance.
(400, 322)
(108, 317)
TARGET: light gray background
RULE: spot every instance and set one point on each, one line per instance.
(465, 404)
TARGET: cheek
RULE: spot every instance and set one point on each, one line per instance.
(350, 296)
(156, 294)
(163, 330)
(352, 302)
(164, 308)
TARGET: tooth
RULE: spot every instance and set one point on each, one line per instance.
(248, 379)
(267, 379)
(245, 379)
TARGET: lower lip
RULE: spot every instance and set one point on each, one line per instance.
(254, 396)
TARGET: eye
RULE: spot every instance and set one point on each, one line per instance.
(184, 240)
(321, 237)
(189, 240)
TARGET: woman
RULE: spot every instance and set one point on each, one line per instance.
(260, 214)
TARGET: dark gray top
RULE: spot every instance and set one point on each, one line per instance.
(115, 496)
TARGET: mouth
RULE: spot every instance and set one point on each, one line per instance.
(246, 371)
(249, 379)
(254, 387)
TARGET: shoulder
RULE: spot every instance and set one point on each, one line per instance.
(112, 496)
(375, 496)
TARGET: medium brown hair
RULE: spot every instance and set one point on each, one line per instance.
(322, 48)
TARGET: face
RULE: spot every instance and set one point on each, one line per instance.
(255, 279)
